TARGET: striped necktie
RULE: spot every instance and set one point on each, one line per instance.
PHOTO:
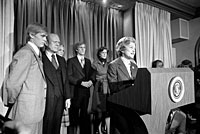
(82, 62)
(53, 60)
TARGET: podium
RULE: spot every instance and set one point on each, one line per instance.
(155, 92)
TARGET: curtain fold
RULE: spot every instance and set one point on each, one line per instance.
(153, 35)
(6, 39)
(73, 21)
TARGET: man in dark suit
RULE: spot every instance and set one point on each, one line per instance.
(57, 86)
(121, 75)
(81, 78)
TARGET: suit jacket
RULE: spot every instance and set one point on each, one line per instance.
(76, 75)
(176, 122)
(118, 76)
(51, 77)
(57, 93)
(124, 119)
(26, 86)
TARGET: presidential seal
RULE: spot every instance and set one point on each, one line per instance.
(176, 89)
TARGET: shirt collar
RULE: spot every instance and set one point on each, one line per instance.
(35, 48)
(126, 61)
(48, 53)
(80, 57)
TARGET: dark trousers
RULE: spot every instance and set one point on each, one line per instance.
(125, 120)
(53, 116)
(78, 115)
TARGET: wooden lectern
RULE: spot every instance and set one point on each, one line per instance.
(151, 95)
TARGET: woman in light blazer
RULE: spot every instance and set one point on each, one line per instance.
(121, 75)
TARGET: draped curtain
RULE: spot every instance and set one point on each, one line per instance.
(153, 35)
(6, 38)
(73, 21)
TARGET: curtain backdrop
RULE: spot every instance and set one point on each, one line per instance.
(6, 39)
(153, 35)
(73, 21)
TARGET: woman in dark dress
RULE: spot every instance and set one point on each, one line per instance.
(100, 92)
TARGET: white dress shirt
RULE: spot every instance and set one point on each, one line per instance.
(49, 54)
(80, 58)
(127, 63)
(35, 48)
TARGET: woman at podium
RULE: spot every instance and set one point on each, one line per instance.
(121, 75)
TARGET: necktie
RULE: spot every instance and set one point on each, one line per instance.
(40, 55)
(53, 60)
(82, 62)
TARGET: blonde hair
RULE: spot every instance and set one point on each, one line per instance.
(35, 28)
(122, 43)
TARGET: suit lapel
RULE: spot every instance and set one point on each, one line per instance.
(87, 68)
(133, 70)
(48, 68)
(38, 60)
(62, 67)
(78, 66)
(123, 68)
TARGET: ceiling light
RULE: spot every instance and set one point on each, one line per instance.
(104, 1)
